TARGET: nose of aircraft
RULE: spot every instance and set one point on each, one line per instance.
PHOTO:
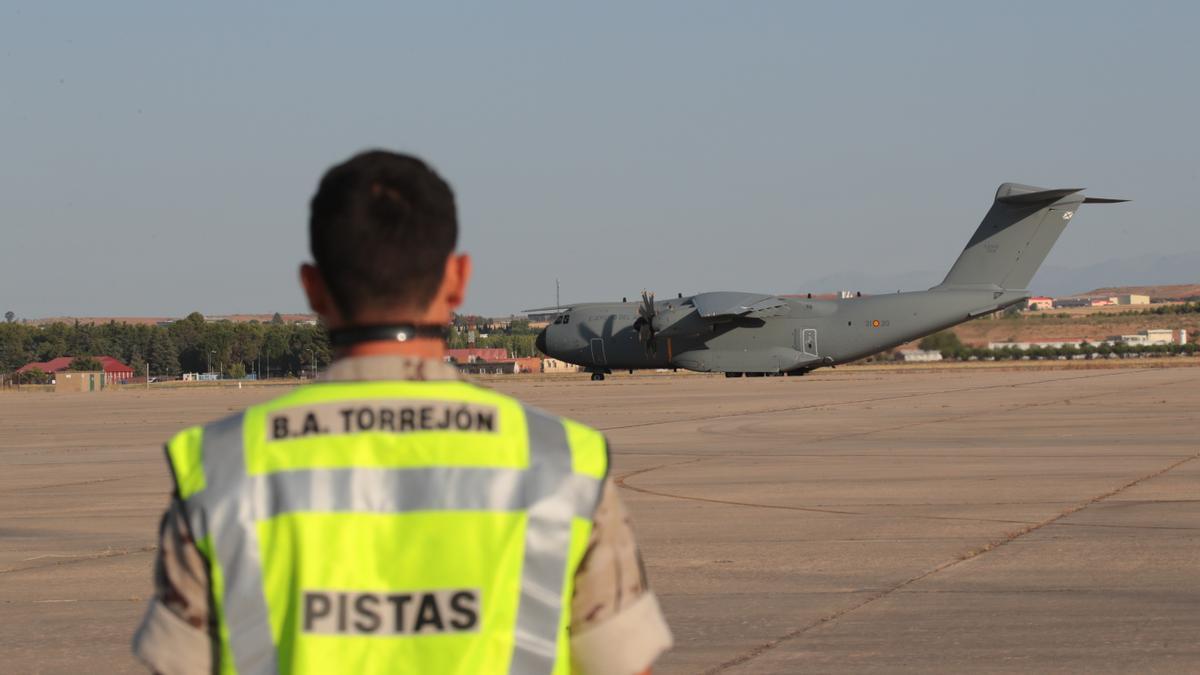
(540, 342)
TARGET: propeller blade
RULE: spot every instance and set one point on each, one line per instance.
(645, 323)
(646, 310)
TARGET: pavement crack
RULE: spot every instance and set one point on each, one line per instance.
(970, 555)
(67, 559)
(623, 480)
(620, 480)
(833, 404)
(782, 507)
(79, 483)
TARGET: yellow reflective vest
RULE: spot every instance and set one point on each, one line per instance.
(398, 527)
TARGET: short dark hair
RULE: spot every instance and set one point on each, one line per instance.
(381, 227)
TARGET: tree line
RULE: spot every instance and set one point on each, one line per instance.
(952, 348)
(1188, 307)
(190, 345)
(195, 345)
(517, 338)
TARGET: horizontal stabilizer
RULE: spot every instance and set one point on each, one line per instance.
(1011, 193)
(1102, 200)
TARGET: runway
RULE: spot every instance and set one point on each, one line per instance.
(847, 521)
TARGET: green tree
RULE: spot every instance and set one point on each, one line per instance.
(16, 346)
(10, 316)
(520, 327)
(218, 343)
(188, 336)
(946, 342)
(33, 376)
(52, 341)
(274, 347)
(163, 355)
(85, 363)
(308, 349)
(247, 343)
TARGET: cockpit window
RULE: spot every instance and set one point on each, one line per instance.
(563, 318)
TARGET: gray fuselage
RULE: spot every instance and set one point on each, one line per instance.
(802, 335)
(733, 332)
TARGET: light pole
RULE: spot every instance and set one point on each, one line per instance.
(210, 355)
(312, 361)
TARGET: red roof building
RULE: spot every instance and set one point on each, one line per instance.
(113, 369)
(480, 354)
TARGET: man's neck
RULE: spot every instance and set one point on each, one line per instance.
(417, 348)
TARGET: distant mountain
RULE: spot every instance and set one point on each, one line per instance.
(1160, 292)
(1145, 270)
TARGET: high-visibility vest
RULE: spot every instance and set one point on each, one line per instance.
(399, 527)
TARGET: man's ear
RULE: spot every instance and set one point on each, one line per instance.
(456, 279)
(318, 294)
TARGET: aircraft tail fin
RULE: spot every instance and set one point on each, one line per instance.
(1015, 236)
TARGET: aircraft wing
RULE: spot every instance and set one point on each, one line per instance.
(730, 303)
(543, 310)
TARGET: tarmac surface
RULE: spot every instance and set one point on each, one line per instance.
(849, 521)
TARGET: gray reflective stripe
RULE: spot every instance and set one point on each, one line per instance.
(373, 490)
(226, 501)
(547, 545)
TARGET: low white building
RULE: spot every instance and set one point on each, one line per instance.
(556, 366)
(1039, 303)
(1153, 336)
(1133, 299)
(1032, 344)
(920, 355)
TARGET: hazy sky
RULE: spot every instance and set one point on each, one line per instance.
(157, 158)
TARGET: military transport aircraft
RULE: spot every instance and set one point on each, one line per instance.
(755, 333)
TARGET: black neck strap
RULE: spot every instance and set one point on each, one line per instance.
(403, 332)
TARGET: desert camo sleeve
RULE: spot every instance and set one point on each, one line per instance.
(176, 632)
(617, 627)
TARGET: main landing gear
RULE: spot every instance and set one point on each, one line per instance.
(597, 377)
